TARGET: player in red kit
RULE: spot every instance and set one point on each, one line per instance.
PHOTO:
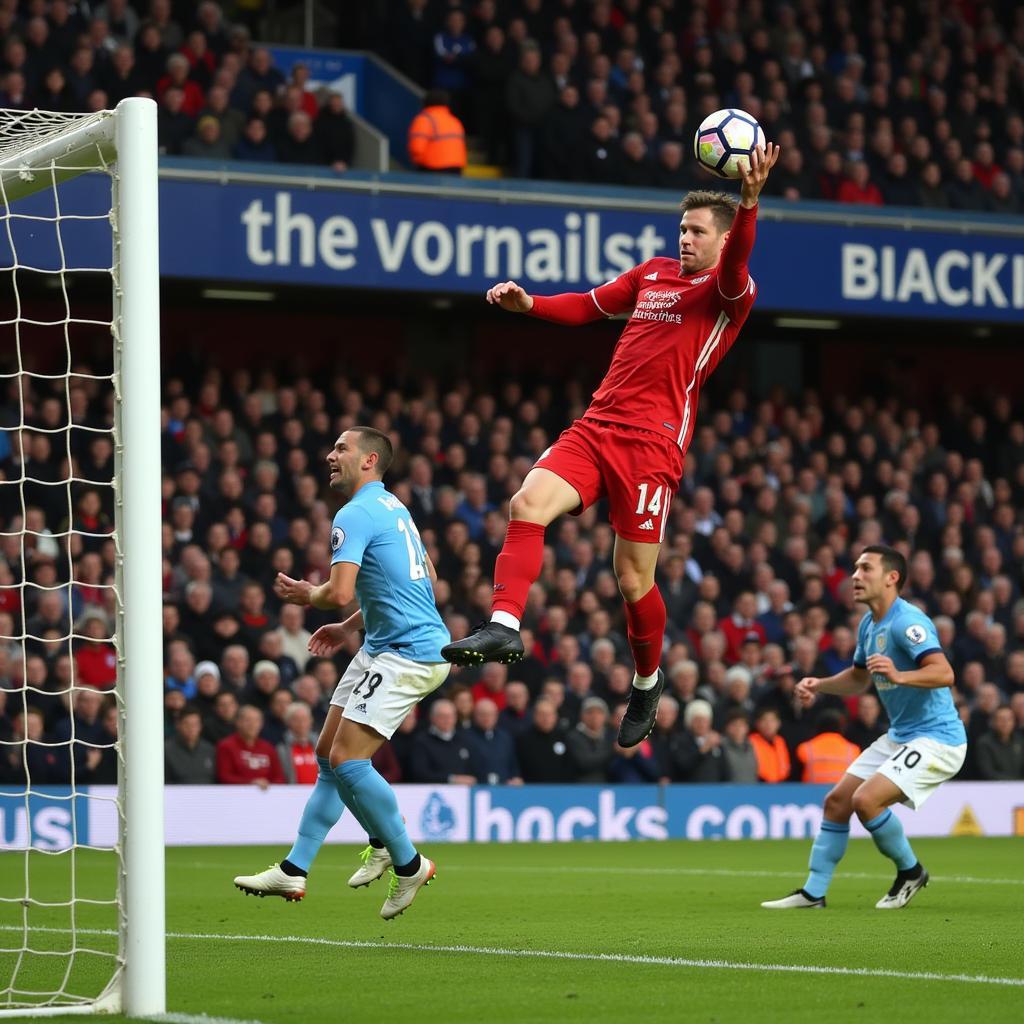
(630, 443)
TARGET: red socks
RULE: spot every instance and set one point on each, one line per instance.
(518, 566)
(645, 627)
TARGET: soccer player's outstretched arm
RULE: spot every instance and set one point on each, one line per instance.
(570, 308)
(934, 673)
(733, 275)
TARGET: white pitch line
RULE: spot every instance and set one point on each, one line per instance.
(553, 954)
(699, 872)
(194, 1018)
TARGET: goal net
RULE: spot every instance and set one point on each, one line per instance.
(81, 737)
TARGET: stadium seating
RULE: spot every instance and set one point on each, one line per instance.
(776, 499)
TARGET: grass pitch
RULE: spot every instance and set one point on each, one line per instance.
(660, 931)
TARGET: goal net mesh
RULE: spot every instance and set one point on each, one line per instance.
(61, 656)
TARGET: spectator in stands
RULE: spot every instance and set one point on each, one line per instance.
(440, 753)
(702, 759)
(80, 737)
(335, 133)
(827, 755)
(437, 138)
(188, 758)
(999, 755)
(96, 659)
(741, 763)
(857, 186)
(297, 748)
(177, 75)
(207, 143)
(867, 725)
(543, 754)
(254, 145)
(232, 121)
(773, 760)
(529, 95)
(174, 126)
(245, 759)
(493, 747)
(591, 744)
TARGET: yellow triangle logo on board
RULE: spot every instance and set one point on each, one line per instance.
(966, 824)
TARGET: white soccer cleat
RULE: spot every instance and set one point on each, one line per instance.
(402, 891)
(796, 900)
(375, 863)
(902, 892)
(273, 882)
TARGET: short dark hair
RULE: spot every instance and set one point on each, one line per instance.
(892, 561)
(721, 204)
(373, 440)
(830, 720)
(436, 98)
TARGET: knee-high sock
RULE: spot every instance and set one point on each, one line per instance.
(827, 851)
(889, 837)
(645, 628)
(366, 793)
(321, 813)
(517, 567)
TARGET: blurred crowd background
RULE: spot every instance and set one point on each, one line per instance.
(777, 499)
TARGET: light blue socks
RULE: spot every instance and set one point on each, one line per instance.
(827, 851)
(372, 800)
(322, 811)
(889, 837)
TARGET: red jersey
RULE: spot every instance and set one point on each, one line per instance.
(239, 763)
(679, 329)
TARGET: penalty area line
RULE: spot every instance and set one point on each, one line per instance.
(551, 954)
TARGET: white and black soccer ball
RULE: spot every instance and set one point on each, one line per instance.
(725, 140)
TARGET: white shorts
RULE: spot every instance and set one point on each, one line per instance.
(918, 767)
(379, 691)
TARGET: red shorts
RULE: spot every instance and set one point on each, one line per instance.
(637, 470)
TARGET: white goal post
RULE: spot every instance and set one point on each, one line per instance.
(39, 151)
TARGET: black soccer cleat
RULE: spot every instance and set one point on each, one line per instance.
(638, 721)
(490, 642)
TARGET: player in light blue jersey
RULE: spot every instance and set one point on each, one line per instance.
(377, 559)
(899, 651)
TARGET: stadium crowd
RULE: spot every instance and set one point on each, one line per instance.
(889, 102)
(879, 103)
(777, 498)
(220, 97)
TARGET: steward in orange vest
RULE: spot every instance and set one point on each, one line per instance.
(773, 763)
(437, 139)
(827, 756)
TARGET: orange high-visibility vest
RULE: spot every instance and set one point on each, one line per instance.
(773, 764)
(826, 757)
(437, 140)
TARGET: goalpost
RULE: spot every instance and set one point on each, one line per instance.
(81, 867)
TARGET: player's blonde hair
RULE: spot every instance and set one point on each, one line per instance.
(721, 204)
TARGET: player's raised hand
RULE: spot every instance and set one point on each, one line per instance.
(292, 591)
(754, 176)
(510, 297)
(807, 690)
(328, 640)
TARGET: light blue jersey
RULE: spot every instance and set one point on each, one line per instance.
(375, 531)
(906, 635)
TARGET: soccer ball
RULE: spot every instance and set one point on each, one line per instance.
(725, 140)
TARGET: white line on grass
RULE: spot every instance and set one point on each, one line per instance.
(553, 954)
(699, 872)
(194, 1018)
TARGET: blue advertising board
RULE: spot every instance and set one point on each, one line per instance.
(49, 818)
(336, 237)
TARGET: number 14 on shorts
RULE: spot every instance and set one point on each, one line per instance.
(652, 507)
